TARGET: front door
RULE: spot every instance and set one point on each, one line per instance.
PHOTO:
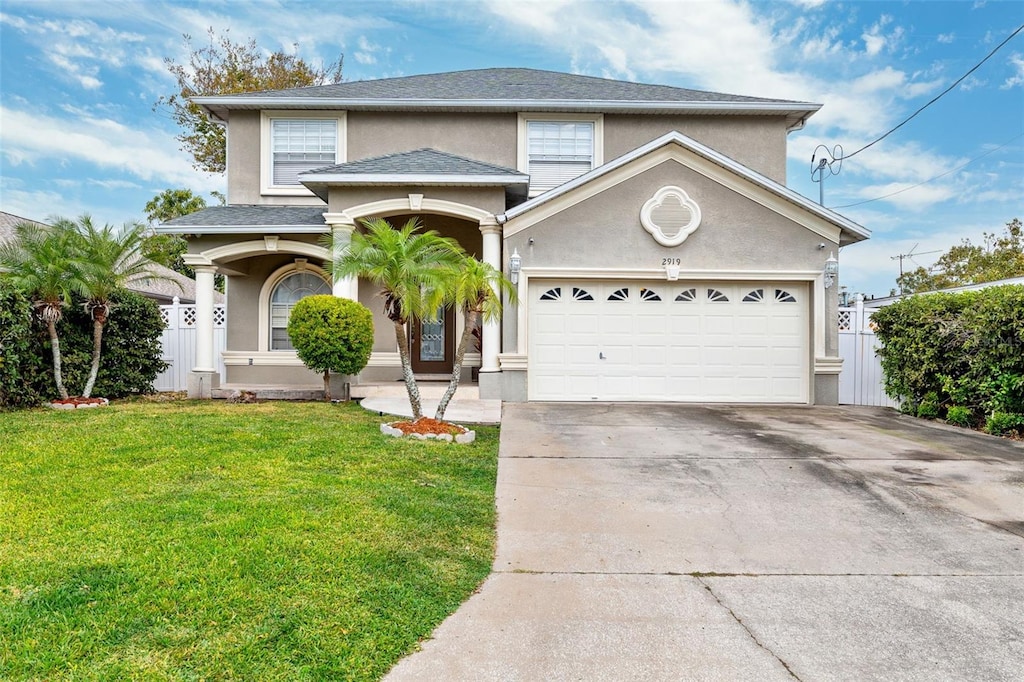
(432, 344)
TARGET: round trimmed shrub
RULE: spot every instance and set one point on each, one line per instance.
(331, 334)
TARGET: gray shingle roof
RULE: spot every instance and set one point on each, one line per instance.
(248, 215)
(424, 161)
(506, 89)
(507, 84)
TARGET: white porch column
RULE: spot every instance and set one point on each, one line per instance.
(204, 318)
(342, 228)
(490, 344)
(204, 377)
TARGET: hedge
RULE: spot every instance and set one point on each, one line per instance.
(21, 363)
(132, 351)
(963, 350)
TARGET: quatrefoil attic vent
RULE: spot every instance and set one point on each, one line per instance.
(670, 216)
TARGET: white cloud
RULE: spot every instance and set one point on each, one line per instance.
(365, 52)
(875, 39)
(31, 136)
(42, 205)
(970, 83)
(1017, 62)
(906, 196)
(946, 38)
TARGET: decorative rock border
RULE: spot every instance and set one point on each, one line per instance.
(462, 438)
(102, 402)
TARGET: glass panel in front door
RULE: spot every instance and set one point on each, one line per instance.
(432, 339)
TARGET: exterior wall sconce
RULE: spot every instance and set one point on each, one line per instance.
(831, 270)
(515, 264)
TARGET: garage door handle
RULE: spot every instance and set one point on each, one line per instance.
(600, 356)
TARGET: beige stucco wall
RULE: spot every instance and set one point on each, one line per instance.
(482, 136)
(605, 231)
(758, 142)
(755, 141)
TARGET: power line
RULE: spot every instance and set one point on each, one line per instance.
(940, 175)
(936, 98)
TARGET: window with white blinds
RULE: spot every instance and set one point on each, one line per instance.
(300, 145)
(558, 151)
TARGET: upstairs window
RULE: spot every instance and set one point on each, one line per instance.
(300, 145)
(295, 142)
(554, 149)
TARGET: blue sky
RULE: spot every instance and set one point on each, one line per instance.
(78, 80)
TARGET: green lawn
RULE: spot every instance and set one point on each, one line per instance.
(204, 540)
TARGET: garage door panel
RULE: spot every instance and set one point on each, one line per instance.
(682, 341)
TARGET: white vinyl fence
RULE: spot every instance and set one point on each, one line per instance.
(861, 380)
(179, 342)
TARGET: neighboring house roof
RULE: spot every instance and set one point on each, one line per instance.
(160, 289)
(418, 167)
(889, 300)
(238, 218)
(851, 232)
(8, 221)
(507, 89)
(168, 284)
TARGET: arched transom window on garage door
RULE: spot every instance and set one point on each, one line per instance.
(289, 291)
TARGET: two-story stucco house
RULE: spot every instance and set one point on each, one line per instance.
(657, 252)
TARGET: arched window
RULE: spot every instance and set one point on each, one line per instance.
(286, 294)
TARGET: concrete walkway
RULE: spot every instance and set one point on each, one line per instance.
(672, 542)
(465, 408)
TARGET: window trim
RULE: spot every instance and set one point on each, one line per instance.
(522, 148)
(267, 291)
(267, 151)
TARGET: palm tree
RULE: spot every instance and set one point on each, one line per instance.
(109, 260)
(412, 268)
(477, 290)
(40, 260)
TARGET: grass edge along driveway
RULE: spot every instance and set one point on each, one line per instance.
(206, 540)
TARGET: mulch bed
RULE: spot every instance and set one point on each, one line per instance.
(78, 402)
(427, 425)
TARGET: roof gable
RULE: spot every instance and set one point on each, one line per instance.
(701, 159)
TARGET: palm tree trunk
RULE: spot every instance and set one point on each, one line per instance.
(327, 385)
(97, 342)
(460, 354)
(51, 326)
(407, 375)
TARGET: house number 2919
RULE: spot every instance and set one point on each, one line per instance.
(671, 261)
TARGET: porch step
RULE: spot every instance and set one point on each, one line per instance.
(268, 392)
(429, 390)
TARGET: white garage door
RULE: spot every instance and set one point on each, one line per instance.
(668, 341)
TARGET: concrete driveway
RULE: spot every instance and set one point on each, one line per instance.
(675, 542)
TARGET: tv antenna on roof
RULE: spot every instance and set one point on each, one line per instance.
(909, 255)
(829, 162)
